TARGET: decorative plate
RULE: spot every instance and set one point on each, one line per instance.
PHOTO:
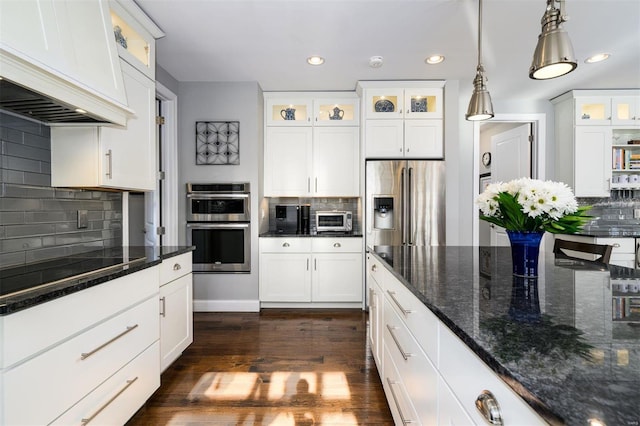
(419, 105)
(384, 105)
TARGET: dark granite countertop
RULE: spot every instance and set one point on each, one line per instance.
(568, 342)
(320, 235)
(25, 286)
(610, 233)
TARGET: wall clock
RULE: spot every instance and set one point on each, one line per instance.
(486, 159)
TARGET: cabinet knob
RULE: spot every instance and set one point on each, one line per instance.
(336, 245)
(374, 268)
(285, 245)
(616, 244)
(177, 267)
(487, 405)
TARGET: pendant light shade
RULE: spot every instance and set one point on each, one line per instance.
(480, 106)
(553, 56)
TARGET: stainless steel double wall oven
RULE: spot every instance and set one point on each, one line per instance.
(219, 226)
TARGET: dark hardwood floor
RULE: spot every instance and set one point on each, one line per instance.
(276, 367)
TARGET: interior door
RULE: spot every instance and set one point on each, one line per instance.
(511, 160)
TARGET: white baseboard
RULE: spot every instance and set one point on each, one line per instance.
(226, 306)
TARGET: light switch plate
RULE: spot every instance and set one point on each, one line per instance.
(83, 220)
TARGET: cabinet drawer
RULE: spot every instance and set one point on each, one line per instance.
(175, 267)
(35, 329)
(121, 395)
(422, 323)
(418, 375)
(336, 245)
(620, 245)
(375, 270)
(285, 245)
(397, 395)
(468, 377)
(58, 378)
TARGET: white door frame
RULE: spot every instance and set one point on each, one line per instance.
(538, 154)
(169, 147)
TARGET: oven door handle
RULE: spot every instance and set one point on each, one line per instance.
(211, 196)
(213, 225)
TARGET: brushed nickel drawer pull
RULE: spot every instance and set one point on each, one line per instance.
(488, 406)
(374, 267)
(395, 401)
(177, 267)
(163, 303)
(285, 245)
(109, 156)
(616, 245)
(392, 294)
(86, 355)
(405, 355)
(337, 245)
(86, 421)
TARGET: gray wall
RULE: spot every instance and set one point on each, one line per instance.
(38, 222)
(210, 101)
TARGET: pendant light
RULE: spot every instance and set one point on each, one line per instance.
(553, 56)
(480, 107)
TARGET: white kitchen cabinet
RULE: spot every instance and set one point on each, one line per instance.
(336, 153)
(311, 270)
(336, 111)
(403, 121)
(176, 307)
(108, 157)
(450, 412)
(317, 162)
(311, 109)
(375, 285)
(54, 355)
(592, 130)
(69, 39)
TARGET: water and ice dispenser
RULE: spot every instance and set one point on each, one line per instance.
(383, 212)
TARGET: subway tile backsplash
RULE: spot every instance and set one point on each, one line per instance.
(615, 214)
(38, 222)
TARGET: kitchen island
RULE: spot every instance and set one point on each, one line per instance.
(566, 343)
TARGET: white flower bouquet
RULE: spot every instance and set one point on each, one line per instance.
(531, 205)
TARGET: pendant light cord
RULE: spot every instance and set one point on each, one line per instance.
(480, 34)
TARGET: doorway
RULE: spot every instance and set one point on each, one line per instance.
(516, 147)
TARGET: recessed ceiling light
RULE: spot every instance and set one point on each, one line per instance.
(315, 60)
(597, 58)
(434, 59)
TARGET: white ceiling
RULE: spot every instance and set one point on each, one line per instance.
(268, 41)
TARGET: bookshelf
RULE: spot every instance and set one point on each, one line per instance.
(625, 159)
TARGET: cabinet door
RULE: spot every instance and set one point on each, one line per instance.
(336, 155)
(176, 319)
(384, 103)
(288, 112)
(288, 161)
(337, 277)
(384, 139)
(336, 112)
(375, 313)
(625, 110)
(423, 139)
(132, 163)
(592, 161)
(285, 277)
(593, 111)
(423, 103)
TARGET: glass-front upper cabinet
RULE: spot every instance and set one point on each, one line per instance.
(593, 110)
(336, 112)
(423, 103)
(135, 44)
(289, 112)
(384, 103)
(625, 110)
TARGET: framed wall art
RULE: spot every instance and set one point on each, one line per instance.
(217, 142)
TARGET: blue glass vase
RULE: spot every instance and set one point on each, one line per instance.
(525, 249)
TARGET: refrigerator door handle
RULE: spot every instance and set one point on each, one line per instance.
(403, 206)
(410, 207)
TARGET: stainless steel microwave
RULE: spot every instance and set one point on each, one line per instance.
(334, 221)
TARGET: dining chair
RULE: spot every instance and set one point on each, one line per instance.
(600, 253)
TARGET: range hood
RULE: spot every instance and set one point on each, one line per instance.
(59, 58)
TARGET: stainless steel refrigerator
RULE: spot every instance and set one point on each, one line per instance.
(405, 202)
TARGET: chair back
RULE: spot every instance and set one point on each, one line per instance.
(600, 253)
